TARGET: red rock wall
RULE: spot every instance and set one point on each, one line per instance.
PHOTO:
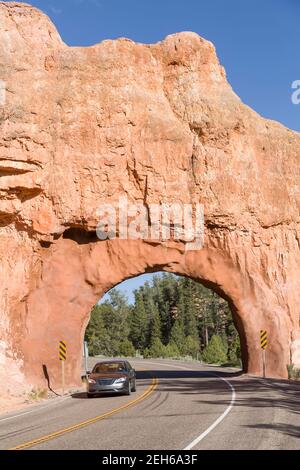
(82, 126)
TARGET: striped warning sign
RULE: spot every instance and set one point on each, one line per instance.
(62, 351)
(263, 339)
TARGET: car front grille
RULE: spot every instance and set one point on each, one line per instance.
(105, 381)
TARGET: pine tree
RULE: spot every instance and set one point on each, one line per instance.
(138, 323)
(166, 298)
(234, 352)
(177, 336)
(187, 307)
(156, 349)
(155, 327)
(215, 352)
(191, 347)
(153, 318)
(172, 351)
(97, 335)
(127, 349)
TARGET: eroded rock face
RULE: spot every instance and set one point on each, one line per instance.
(82, 126)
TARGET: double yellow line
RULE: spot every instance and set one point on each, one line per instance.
(61, 432)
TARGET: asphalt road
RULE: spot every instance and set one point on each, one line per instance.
(177, 406)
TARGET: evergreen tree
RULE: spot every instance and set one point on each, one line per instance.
(187, 307)
(153, 318)
(115, 313)
(155, 327)
(172, 351)
(157, 349)
(191, 346)
(127, 349)
(166, 298)
(96, 335)
(234, 352)
(177, 336)
(138, 323)
(215, 352)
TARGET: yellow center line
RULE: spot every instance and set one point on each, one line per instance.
(82, 424)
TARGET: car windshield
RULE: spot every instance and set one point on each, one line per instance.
(107, 367)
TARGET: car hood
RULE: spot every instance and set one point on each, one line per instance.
(108, 376)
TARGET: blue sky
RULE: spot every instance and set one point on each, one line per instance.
(257, 41)
(127, 287)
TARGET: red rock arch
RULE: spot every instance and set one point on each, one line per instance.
(158, 123)
(77, 275)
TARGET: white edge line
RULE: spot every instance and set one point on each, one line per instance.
(218, 421)
(38, 408)
(223, 415)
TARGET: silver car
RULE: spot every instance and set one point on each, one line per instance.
(113, 376)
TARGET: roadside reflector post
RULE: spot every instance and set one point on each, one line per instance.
(63, 377)
(86, 355)
(263, 345)
(62, 352)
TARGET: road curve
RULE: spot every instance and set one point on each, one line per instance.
(177, 406)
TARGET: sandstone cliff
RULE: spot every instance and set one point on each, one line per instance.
(82, 126)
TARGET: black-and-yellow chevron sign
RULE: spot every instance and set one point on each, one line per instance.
(62, 351)
(263, 339)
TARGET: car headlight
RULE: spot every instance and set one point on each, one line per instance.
(120, 380)
(91, 381)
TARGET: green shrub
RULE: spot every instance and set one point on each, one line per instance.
(191, 346)
(156, 349)
(293, 372)
(215, 352)
(37, 394)
(171, 350)
(127, 349)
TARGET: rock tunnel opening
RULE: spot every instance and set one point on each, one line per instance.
(166, 315)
